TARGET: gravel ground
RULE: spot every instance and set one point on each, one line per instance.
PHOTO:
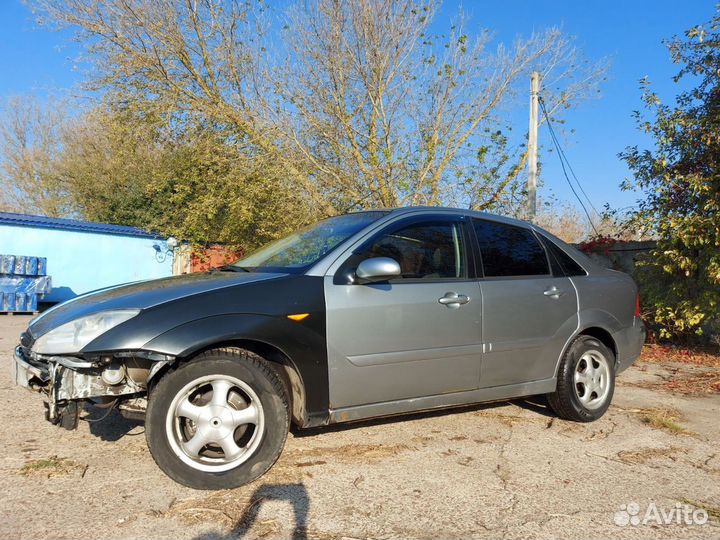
(501, 470)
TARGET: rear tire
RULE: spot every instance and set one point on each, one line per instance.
(219, 421)
(585, 381)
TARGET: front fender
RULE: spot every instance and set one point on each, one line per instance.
(303, 342)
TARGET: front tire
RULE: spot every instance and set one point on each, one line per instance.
(219, 421)
(585, 382)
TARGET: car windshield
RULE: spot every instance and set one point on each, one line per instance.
(300, 250)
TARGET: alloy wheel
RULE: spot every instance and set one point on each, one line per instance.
(592, 379)
(215, 423)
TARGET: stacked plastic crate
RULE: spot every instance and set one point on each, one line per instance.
(23, 281)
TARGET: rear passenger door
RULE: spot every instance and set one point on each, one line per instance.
(529, 312)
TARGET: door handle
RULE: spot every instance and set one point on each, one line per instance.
(554, 292)
(453, 299)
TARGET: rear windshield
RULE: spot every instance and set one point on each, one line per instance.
(302, 249)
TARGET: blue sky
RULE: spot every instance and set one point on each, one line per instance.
(41, 61)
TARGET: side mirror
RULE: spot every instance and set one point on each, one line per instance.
(377, 269)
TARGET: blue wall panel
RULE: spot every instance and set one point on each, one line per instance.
(79, 262)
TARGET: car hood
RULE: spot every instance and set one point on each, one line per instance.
(141, 295)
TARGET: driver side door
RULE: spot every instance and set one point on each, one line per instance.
(402, 338)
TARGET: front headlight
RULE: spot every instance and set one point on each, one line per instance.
(73, 336)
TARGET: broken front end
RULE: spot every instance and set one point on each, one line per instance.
(118, 379)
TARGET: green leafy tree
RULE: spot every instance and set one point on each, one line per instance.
(133, 166)
(192, 180)
(680, 177)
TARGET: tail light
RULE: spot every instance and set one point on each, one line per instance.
(637, 305)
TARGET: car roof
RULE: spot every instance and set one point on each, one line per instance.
(324, 264)
(579, 256)
(462, 211)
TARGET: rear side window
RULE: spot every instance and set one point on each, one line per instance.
(507, 250)
(567, 265)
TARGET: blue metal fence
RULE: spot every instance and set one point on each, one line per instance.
(84, 256)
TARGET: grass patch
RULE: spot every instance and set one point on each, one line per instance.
(51, 466)
(663, 418)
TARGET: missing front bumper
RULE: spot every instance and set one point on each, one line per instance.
(27, 374)
(65, 382)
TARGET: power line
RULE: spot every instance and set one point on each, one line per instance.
(572, 172)
(561, 155)
(578, 183)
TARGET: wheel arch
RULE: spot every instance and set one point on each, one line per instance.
(602, 334)
(281, 361)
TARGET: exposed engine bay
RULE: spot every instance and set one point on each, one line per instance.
(117, 380)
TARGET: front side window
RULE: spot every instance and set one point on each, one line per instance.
(300, 250)
(426, 250)
(507, 250)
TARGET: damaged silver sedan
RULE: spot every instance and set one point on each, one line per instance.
(364, 315)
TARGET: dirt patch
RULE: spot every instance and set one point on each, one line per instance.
(691, 372)
(688, 381)
(662, 354)
(347, 453)
(237, 513)
(310, 463)
(219, 507)
(696, 385)
(423, 440)
(644, 455)
(297, 464)
(712, 510)
(509, 419)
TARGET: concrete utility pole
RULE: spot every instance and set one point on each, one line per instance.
(533, 145)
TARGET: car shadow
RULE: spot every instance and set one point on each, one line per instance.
(115, 426)
(295, 494)
(536, 404)
(112, 427)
